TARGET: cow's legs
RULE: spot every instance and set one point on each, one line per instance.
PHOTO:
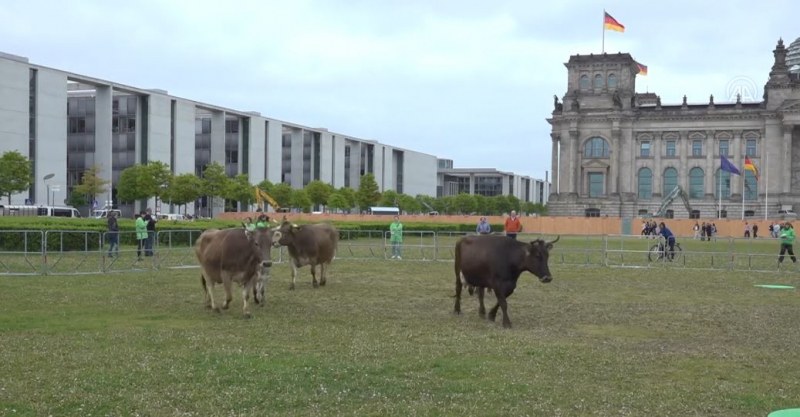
(481, 307)
(314, 275)
(245, 296)
(294, 276)
(205, 291)
(457, 306)
(227, 283)
(501, 294)
(323, 273)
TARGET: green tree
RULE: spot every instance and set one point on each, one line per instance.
(239, 189)
(184, 189)
(500, 204)
(133, 184)
(337, 201)
(350, 196)
(426, 202)
(266, 185)
(15, 174)
(409, 204)
(465, 203)
(367, 194)
(514, 203)
(215, 182)
(319, 192)
(91, 184)
(389, 198)
(282, 193)
(301, 200)
(161, 176)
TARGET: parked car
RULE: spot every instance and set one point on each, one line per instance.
(171, 216)
(103, 213)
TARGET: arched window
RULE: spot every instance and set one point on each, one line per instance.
(584, 82)
(722, 184)
(696, 188)
(595, 147)
(612, 81)
(598, 81)
(670, 180)
(645, 183)
(750, 186)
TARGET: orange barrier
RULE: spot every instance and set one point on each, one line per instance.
(549, 225)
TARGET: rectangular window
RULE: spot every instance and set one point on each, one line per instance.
(723, 148)
(644, 149)
(671, 148)
(697, 147)
(750, 147)
(596, 184)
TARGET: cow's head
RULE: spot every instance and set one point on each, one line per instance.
(537, 258)
(284, 234)
(260, 241)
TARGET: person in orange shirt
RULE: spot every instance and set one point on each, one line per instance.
(512, 225)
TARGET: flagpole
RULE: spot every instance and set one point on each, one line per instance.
(603, 50)
(744, 174)
(719, 207)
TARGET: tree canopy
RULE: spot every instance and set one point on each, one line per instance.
(15, 174)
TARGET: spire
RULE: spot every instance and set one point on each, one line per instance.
(780, 72)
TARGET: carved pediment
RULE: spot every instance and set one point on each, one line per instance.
(790, 105)
(595, 164)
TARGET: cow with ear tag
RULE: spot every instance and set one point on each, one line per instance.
(310, 244)
(496, 262)
(235, 256)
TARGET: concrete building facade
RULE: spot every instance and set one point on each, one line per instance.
(66, 123)
(489, 182)
(620, 153)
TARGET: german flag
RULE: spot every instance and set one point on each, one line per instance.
(749, 166)
(642, 69)
(609, 23)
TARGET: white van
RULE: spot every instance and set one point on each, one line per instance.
(102, 214)
(171, 216)
(49, 211)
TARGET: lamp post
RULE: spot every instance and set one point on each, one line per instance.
(47, 177)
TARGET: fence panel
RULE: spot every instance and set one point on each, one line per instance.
(21, 252)
(175, 248)
(128, 256)
(71, 252)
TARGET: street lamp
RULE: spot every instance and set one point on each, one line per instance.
(47, 177)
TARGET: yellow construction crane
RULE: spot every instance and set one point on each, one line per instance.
(262, 196)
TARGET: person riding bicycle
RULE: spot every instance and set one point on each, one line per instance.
(664, 231)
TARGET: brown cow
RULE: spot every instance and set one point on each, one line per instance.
(496, 262)
(235, 255)
(311, 244)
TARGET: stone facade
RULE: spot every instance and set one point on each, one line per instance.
(619, 153)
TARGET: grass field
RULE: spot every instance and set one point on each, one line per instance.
(381, 340)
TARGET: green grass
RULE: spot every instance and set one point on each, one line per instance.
(381, 340)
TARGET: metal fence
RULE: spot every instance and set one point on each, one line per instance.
(66, 252)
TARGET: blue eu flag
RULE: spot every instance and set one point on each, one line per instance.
(726, 165)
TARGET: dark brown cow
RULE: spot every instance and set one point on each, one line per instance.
(496, 262)
(235, 255)
(310, 244)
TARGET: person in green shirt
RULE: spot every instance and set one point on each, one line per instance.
(141, 234)
(262, 222)
(248, 224)
(396, 237)
(787, 237)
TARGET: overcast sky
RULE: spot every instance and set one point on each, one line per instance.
(467, 80)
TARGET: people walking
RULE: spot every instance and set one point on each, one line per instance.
(113, 235)
(396, 237)
(787, 237)
(141, 235)
(512, 225)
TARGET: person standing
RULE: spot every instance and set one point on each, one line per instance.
(262, 222)
(755, 231)
(787, 242)
(141, 235)
(113, 235)
(746, 230)
(396, 237)
(512, 225)
(483, 227)
(249, 225)
(151, 232)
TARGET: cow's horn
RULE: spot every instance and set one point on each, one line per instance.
(557, 237)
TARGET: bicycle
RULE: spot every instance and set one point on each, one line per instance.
(660, 251)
